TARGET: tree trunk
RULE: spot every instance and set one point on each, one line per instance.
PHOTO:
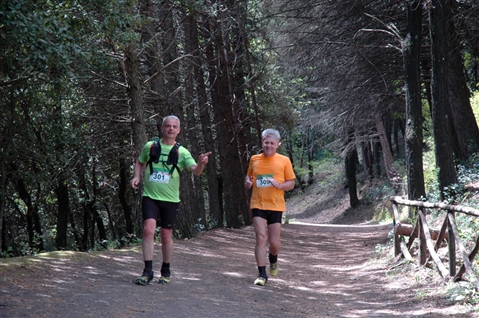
(440, 96)
(215, 198)
(310, 149)
(155, 96)
(122, 187)
(237, 75)
(86, 227)
(367, 158)
(464, 125)
(99, 224)
(86, 204)
(27, 200)
(3, 187)
(235, 202)
(387, 154)
(350, 161)
(191, 110)
(250, 75)
(135, 98)
(62, 218)
(414, 121)
(377, 157)
(34, 228)
(350, 164)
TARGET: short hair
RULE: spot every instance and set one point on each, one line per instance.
(170, 117)
(270, 133)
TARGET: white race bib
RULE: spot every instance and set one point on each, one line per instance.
(160, 176)
(263, 181)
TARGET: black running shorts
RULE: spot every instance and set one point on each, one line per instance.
(270, 216)
(165, 211)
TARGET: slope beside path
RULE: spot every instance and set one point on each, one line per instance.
(325, 271)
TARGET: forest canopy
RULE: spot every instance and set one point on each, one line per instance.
(84, 84)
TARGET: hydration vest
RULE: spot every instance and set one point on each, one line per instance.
(155, 153)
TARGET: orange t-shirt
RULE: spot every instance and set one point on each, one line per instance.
(265, 196)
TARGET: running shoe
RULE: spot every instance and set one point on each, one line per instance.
(273, 269)
(144, 279)
(164, 280)
(260, 281)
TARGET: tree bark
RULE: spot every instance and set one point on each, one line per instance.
(414, 120)
(440, 96)
(215, 197)
(62, 217)
(464, 125)
(135, 97)
(387, 154)
(350, 163)
(193, 209)
(122, 189)
(235, 201)
(3, 187)
(367, 158)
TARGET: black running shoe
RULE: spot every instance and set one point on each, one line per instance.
(144, 279)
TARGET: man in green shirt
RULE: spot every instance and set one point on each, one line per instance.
(161, 196)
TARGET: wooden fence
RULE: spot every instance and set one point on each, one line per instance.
(430, 240)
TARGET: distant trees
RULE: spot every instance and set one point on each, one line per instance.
(358, 58)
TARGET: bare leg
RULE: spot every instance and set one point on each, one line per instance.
(260, 225)
(274, 233)
(167, 244)
(148, 243)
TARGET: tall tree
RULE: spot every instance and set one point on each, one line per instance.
(225, 109)
(441, 113)
(464, 125)
(351, 159)
(414, 121)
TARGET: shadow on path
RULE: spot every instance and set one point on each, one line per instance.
(325, 271)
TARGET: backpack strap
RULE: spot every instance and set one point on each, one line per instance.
(173, 157)
(155, 153)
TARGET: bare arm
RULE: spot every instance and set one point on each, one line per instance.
(137, 174)
(202, 161)
(285, 186)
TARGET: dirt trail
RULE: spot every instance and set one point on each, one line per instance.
(325, 271)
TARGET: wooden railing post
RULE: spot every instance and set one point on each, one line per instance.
(397, 242)
(423, 255)
(427, 248)
(451, 246)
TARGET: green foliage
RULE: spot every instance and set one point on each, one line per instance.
(7, 253)
(331, 171)
(464, 293)
(199, 227)
(382, 214)
(470, 66)
(475, 105)
(468, 226)
(379, 191)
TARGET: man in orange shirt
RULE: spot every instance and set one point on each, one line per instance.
(269, 174)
